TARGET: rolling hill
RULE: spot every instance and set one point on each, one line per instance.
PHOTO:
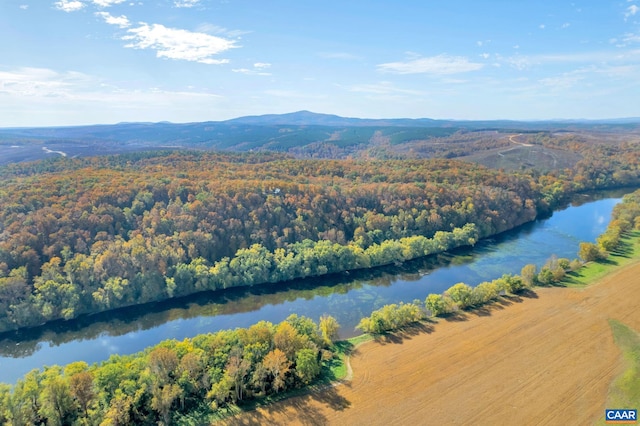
(305, 134)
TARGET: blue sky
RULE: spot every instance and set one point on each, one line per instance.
(72, 62)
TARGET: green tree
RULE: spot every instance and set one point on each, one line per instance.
(438, 304)
(25, 402)
(114, 291)
(461, 294)
(307, 366)
(191, 371)
(5, 401)
(514, 283)
(287, 339)
(221, 391)
(56, 400)
(485, 292)
(545, 276)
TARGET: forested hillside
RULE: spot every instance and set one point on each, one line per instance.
(87, 235)
(309, 135)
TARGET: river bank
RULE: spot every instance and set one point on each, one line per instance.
(548, 358)
(348, 298)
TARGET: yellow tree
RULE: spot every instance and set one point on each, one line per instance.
(329, 329)
(277, 365)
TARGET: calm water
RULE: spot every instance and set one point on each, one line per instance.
(348, 297)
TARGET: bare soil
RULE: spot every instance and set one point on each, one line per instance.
(544, 358)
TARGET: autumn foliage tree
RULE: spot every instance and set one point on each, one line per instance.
(171, 379)
(91, 234)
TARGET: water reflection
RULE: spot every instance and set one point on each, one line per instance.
(348, 296)
(212, 304)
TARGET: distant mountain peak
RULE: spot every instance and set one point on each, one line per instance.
(309, 118)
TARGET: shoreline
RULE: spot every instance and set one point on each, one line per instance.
(89, 317)
(510, 326)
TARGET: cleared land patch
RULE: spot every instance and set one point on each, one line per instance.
(549, 358)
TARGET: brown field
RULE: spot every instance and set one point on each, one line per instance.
(545, 359)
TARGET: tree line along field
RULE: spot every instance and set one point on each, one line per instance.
(91, 234)
(543, 357)
(547, 359)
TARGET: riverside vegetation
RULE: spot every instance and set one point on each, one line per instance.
(200, 378)
(80, 236)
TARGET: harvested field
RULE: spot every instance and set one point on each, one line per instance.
(545, 358)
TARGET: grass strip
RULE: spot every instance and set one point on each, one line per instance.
(625, 389)
(627, 252)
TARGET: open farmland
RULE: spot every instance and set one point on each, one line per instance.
(545, 359)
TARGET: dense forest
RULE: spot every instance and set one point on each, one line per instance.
(92, 234)
(188, 381)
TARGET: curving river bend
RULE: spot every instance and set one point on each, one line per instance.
(348, 297)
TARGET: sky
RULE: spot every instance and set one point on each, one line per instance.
(75, 62)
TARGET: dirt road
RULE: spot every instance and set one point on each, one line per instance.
(545, 359)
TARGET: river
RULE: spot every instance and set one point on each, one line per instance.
(348, 297)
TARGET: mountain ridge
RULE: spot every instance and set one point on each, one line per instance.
(309, 118)
(303, 134)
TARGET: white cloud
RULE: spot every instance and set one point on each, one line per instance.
(179, 44)
(292, 94)
(24, 6)
(258, 68)
(338, 55)
(41, 82)
(218, 30)
(185, 3)
(631, 38)
(520, 62)
(120, 21)
(523, 62)
(107, 3)
(382, 88)
(631, 11)
(76, 98)
(438, 65)
(627, 39)
(618, 71)
(69, 5)
(248, 71)
(541, 26)
(561, 82)
(485, 55)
